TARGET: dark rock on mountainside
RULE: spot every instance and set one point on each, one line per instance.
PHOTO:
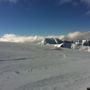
(52, 41)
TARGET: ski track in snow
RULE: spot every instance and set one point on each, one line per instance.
(34, 67)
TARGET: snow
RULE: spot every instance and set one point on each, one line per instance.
(34, 67)
(58, 45)
(85, 48)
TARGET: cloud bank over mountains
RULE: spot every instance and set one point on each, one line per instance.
(77, 36)
(20, 39)
(23, 39)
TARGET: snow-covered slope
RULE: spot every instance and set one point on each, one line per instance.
(35, 67)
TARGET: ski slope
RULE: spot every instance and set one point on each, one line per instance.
(35, 67)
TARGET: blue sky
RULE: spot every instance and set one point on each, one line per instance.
(44, 17)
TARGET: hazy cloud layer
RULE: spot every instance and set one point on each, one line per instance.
(76, 3)
(24, 39)
(77, 36)
(86, 2)
(88, 13)
(15, 1)
(12, 1)
(20, 39)
(64, 1)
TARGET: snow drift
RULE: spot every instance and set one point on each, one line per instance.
(31, 67)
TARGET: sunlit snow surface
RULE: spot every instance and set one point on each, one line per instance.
(35, 67)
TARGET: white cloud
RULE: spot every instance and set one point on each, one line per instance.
(77, 36)
(24, 39)
(20, 39)
(74, 36)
